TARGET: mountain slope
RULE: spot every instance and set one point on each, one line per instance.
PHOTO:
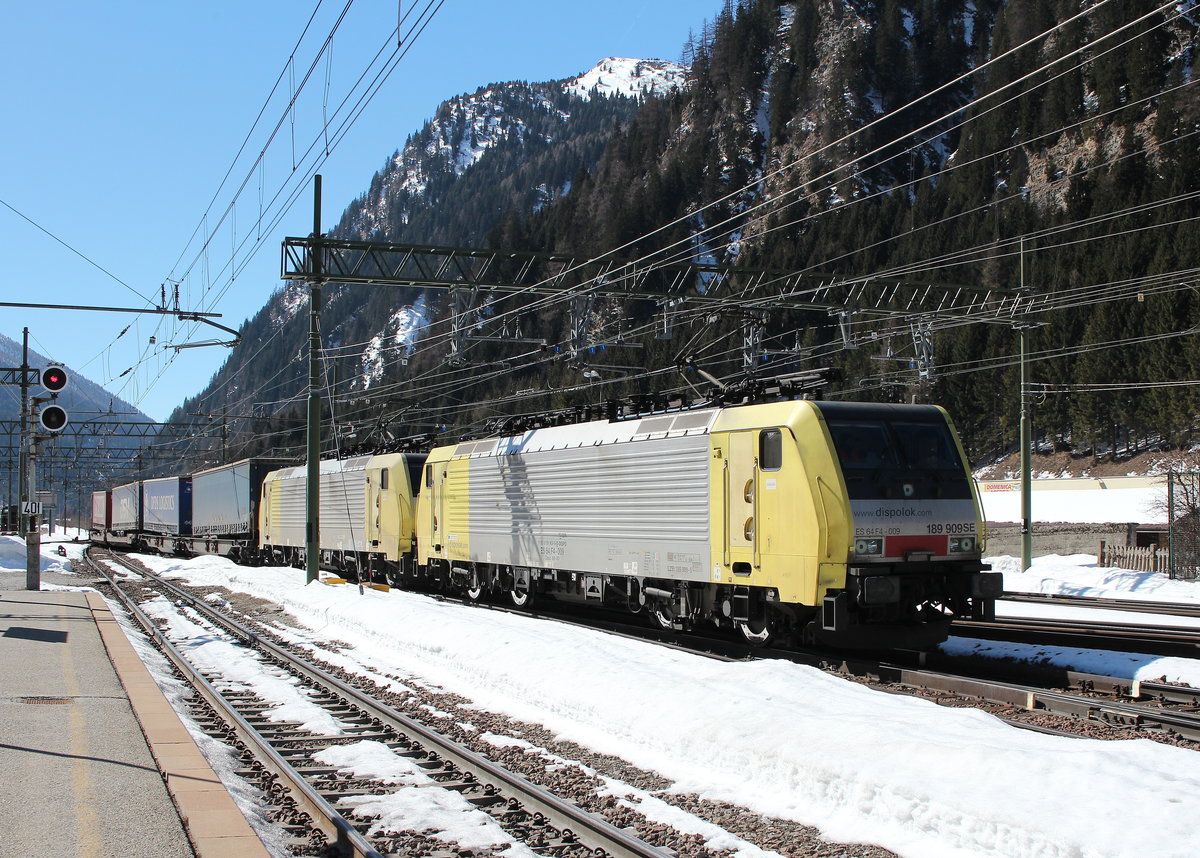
(858, 143)
(82, 398)
(504, 151)
(894, 145)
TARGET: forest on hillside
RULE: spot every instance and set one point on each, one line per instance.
(920, 181)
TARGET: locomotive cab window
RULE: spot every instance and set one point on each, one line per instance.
(926, 445)
(899, 458)
(383, 479)
(770, 450)
(863, 445)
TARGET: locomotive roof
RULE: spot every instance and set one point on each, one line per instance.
(329, 466)
(683, 423)
(880, 411)
(592, 434)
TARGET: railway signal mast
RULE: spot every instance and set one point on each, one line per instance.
(52, 419)
(26, 376)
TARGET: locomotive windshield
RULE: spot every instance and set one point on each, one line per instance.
(897, 457)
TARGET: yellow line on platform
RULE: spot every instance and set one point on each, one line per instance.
(90, 841)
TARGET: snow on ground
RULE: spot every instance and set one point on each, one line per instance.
(12, 553)
(1077, 575)
(241, 670)
(778, 738)
(414, 805)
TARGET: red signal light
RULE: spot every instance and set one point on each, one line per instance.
(54, 378)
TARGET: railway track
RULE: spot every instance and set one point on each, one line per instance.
(1162, 709)
(1141, 606)
(314, 794)
(1103, 706)
(1181, 641)
(1159, 708)
(1174, 641)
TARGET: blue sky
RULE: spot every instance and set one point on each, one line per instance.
(123, 119)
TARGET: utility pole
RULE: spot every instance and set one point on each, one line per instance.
(1026, 467)
(30, 528)
(1026, 464)
(22, 484)
(312, 544)
(33, 536)
(27, 509)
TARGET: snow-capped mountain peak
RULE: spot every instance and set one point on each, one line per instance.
(630, 77)
(504, 118)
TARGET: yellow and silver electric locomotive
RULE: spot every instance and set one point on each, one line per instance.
(366, 515)
(854, 524)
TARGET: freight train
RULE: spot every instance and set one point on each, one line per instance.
(851, 524)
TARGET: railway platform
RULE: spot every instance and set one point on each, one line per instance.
(95, 761)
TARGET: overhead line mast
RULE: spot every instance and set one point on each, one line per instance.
(312, 548)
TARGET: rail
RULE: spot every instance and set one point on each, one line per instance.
(603, 838)
(346, 839)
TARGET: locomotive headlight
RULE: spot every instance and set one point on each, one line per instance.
(868, 546)
(962, 544)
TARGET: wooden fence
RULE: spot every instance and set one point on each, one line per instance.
(1150, 559)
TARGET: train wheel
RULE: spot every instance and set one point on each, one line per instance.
(521, 598)
(521, 584)
(755, 632)
(661, 616)
(474, 589)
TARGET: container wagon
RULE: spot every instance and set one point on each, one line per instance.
(167, 514)
(125, 527)
(225, 508)
(101, 516)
